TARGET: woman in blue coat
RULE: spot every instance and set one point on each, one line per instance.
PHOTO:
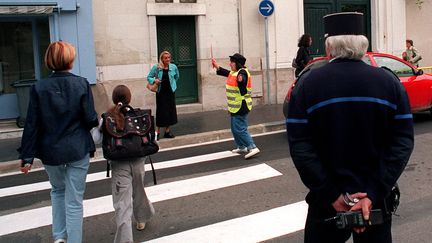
(57, 131)
(165, 74)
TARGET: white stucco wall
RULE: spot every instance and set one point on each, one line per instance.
(121, 35)
(388, 26)
(126, 42)
(418, 28)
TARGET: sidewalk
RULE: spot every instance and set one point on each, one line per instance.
(191, 128)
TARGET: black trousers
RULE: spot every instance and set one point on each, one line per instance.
(317, 230)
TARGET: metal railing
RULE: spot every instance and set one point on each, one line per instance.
(426, 69)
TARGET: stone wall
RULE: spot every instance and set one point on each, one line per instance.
(418, 29)
(125, 40)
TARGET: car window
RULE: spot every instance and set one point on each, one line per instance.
(318, 63)
(399, 68)
(313, 65)
(367, 60)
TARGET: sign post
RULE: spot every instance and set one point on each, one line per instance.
(266, 9)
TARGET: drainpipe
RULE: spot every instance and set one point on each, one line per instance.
(59, 23)
(239, 27)
(54, 23)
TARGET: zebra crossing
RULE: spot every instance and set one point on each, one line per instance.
(250, 228)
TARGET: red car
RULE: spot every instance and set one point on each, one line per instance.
(417, 84)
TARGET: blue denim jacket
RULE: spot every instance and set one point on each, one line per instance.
(59, 118)
(173, 75)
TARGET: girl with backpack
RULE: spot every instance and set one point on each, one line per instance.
(127, 182)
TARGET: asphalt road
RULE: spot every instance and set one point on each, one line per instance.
(225, 209)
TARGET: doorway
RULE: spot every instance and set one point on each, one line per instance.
(315, 10)
(176, 34)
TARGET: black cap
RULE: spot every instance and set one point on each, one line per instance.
(238, 58)
(345, 23)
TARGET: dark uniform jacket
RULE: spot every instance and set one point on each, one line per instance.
(60, 115)
(350, 129)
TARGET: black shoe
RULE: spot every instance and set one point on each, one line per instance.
(157, 137)
(169, 135)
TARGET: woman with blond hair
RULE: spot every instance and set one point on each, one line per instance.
(57, 131)
(165, 74)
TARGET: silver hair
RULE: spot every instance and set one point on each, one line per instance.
(347, 46)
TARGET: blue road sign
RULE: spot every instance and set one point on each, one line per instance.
(266, 8)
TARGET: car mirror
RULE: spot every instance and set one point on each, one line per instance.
(419, 72)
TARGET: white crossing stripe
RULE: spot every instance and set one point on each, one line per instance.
(45, 185)
(39, 186)
(160, 150)
(191, 160)
(39, 217)
(252, 228)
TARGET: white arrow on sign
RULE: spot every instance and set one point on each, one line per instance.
(268, 8)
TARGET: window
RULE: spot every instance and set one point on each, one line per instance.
(398, 67)
(367, 60)
(22, 46)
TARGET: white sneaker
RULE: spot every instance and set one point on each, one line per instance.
(140, 226)
(252, 152)
(240, 151)
(60, 241)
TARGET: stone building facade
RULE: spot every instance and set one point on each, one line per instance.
(126, 35)
(118, 41)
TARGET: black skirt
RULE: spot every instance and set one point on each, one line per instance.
(166, 112)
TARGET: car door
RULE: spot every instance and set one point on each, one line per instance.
(417, 85)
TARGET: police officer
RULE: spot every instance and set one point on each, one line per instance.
(350, 133)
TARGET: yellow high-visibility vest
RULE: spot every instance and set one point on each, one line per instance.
(234, 97)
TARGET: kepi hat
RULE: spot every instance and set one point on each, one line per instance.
(344, 23)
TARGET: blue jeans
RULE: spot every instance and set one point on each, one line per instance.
(239, 129)
(68, 183)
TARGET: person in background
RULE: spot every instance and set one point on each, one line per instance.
(411, 54)
(127, 182)
(350, 134)
(303, 53)
(57, 131)
(166, 75)
(238, 92)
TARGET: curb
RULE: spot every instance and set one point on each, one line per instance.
(218, 135)
(11, 133)
(197, 138)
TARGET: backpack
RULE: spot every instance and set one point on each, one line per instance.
(136, 140)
